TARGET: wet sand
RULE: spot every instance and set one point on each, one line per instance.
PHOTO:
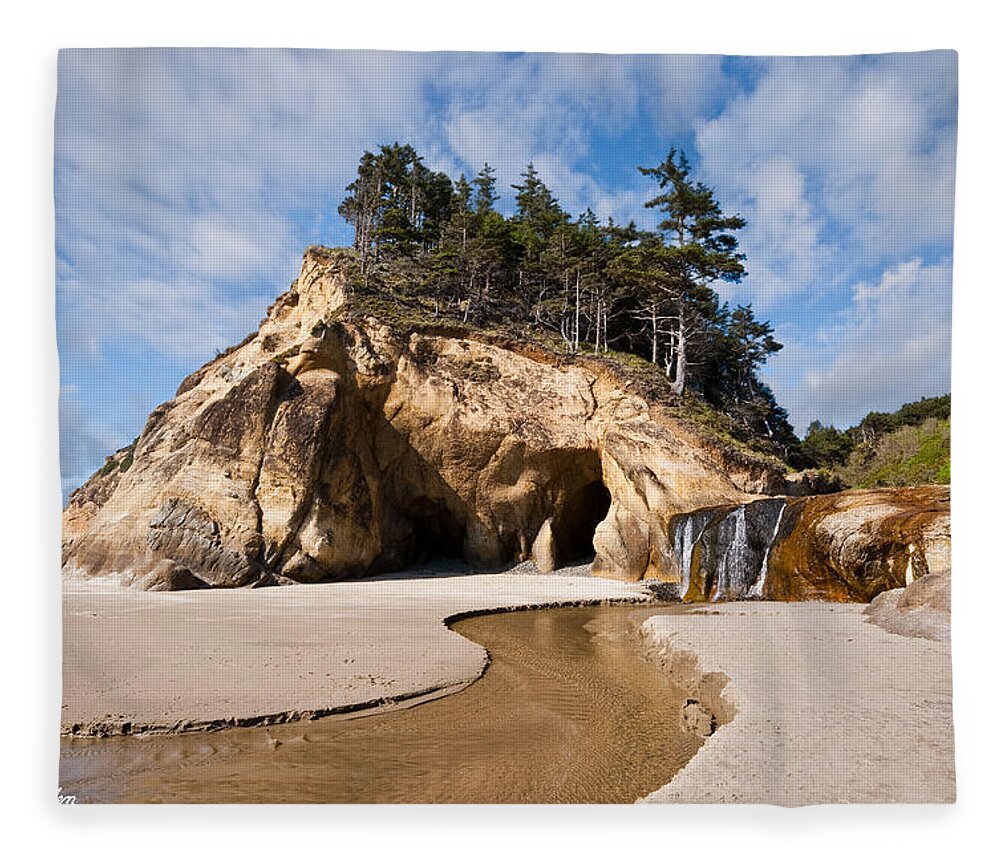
(567, 712)
(813, 704)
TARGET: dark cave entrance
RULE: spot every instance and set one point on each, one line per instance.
(577, 519)
(437, 532)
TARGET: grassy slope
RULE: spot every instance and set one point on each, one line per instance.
(906, 457)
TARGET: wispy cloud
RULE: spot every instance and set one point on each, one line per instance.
(839, 163)
(83, 442)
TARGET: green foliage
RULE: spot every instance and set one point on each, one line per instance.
(126, 462)
(538, 212)
(943, 474)
(909, 446)
(486, 189)
(110, 464)
(826, 446)
(396, 204)
(876, 424)
(670, 275)
(120, 461)
(906, 456)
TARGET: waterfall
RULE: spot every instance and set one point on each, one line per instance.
(686, 537)
(734, 558)
(723, 552)
(757, 590)
(686, 553)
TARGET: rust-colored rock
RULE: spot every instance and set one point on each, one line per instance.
(847, 546)
(856, 544)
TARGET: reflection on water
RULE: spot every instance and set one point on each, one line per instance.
(566, 713)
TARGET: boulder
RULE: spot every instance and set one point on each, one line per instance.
(922, 609)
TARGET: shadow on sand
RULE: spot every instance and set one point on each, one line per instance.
(440, 568)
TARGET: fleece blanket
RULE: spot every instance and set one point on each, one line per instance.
(505, 428)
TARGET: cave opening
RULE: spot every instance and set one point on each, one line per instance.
(436, 531)
(576, 521)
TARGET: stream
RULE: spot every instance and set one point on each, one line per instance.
(567, 712)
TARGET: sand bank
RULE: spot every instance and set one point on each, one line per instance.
(822, 707)
(182, 661)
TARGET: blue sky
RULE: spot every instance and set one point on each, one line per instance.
(188, 183)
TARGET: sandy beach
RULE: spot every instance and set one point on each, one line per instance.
(824, 706)
(813, 703)
(140, 661)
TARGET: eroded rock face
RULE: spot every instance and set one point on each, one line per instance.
(327, 445)
(847, 546)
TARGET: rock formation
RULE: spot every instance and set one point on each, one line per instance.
(847, 546)
(330, 444)
(922, 609)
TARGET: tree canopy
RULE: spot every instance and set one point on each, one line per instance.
(598, 287)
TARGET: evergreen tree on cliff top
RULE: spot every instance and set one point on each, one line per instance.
(696, 248)
(600, 287)
(486, 189)
(538, 212)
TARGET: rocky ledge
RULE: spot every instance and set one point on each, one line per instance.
(847, 546)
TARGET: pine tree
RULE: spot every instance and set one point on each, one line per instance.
(486, 193)
(361, 206)
(537, 209)
(698, 248)
(536, 220)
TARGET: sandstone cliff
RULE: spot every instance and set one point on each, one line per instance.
(329, 444)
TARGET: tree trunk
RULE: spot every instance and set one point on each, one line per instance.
(656, 335)
(576, 320)
(468, 300)
(680, 374)
(598, 310)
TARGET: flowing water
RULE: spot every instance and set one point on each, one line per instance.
(567, 712)
(723, 552)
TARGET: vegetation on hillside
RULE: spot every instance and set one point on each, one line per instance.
(430, 247)
(886, 449)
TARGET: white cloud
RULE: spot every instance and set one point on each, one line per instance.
(177, 173)
(546, 108)
(183, 319)
(686, 86)
(837, 159)
(84, 443)
(891, 346)
(782, 238)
